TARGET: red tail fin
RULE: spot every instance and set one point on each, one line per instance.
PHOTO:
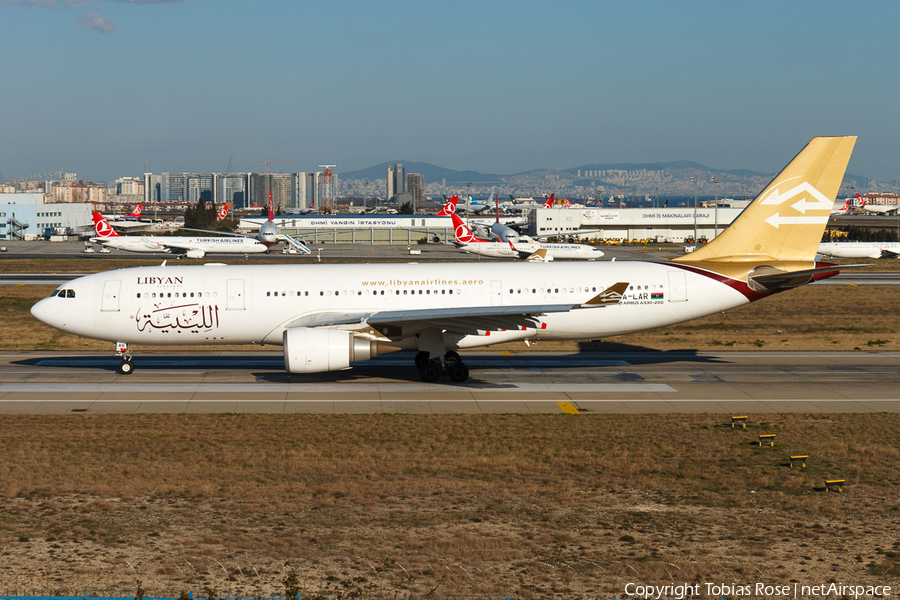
(102, 227)
(136, 213)
(271, 207)
(550, 201)
(449, 208)
(464, 235)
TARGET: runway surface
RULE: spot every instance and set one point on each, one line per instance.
(500, 382)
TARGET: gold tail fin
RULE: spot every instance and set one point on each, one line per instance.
(786, 221)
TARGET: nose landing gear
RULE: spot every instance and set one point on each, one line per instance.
(450, 365)
(126, 367)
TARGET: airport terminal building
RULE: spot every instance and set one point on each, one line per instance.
(625, 224)
(673, 225)
(25, 216)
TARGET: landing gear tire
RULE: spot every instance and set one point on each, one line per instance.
(431, 372)
(452, 358)
(126, 367)
(458, 372)
(421, 360)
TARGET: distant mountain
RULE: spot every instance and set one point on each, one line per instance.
(429, 172)
(679, 165)
(678, 176)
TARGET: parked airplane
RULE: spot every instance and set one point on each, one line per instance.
(134, 216)
(469, 242)
(223, 212)
(268, 233)
(876, 208)
(471, 206)
(842, 210)
(192, 247)
(329, 316)
(860, 249)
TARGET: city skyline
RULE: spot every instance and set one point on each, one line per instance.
(119, 88)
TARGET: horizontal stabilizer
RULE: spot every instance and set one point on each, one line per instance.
(767, 279)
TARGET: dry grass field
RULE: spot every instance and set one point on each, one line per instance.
(520, 505)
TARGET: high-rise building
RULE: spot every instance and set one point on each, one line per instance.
(396, 181)
(306, 190)
(415, 185)
(230, 187)
(279, 183)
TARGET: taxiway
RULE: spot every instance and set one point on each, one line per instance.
(500, 382)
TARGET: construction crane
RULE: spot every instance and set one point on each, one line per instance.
(327, 179)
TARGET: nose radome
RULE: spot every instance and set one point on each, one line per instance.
(44, 312)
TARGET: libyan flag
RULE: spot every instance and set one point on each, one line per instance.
(656, 295)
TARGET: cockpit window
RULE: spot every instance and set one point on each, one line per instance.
(70, 293)
(55, 292)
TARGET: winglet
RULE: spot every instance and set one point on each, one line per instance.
(609, 296)
(539, 255)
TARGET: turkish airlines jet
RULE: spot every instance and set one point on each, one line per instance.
(328, 316)
(134, 216)
(842, 210)
(860, 249)
(268, 233)
(192, 247)
(467, 241)
(223, 212)
(876, 208)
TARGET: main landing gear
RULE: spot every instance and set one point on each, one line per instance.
(126, 367)
(431, 369)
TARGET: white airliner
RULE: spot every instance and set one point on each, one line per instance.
(879, 209)
(267, 235)
(842, 210)
(860, 249)
(467, 241)
(499, 229)
(329, 316)
(192, 247)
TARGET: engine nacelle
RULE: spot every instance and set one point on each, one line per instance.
(195, 253)
(314, 350)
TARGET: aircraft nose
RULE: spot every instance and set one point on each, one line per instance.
(44, 312)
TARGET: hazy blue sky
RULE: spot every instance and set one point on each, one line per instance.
(101, 87)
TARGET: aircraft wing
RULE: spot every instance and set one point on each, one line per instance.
(175, 247)
(460, 319)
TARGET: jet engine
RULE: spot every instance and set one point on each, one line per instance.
(195, 253)
(314, 350)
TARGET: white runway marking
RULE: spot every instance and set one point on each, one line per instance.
(120, 388)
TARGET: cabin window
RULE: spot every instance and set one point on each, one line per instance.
(268, 293)
(321, 293)
(153, 295)
(404, 292)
